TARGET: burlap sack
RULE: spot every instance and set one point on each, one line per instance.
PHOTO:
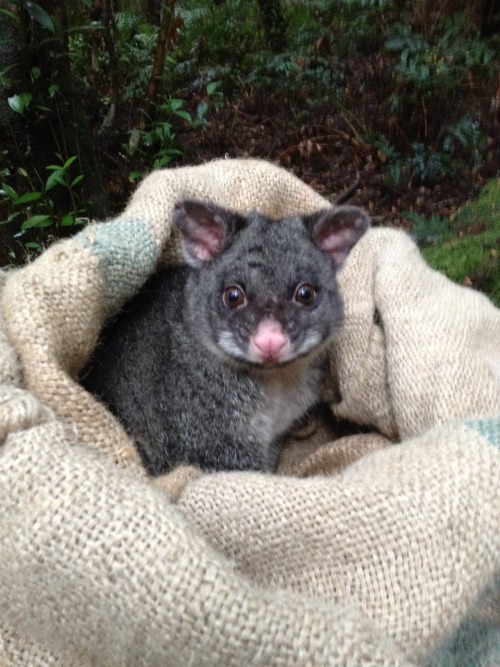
(386, 559)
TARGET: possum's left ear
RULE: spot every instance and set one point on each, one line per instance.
(206, 229)
(336, 230)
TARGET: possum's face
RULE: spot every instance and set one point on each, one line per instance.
(264, 293)
(269, 298)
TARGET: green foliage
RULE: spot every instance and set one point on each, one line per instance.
(471, 255)
(214, 99)
(159, 140)
(463, 142)
(20, 103)
(459, 152)
(41, 16)
(419, 79)
(220, 34)
(135, 41)
(427, 165)
(36, 12)
(429, 231)
(157, 145)
(297, 76)
(35, 209)
(430, 77)
(354, 67)
(359, 28)
(39, 131)
(441, 61)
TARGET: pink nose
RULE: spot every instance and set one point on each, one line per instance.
(269, 341)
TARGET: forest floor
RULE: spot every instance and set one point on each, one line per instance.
(327, 155)
(459, 238)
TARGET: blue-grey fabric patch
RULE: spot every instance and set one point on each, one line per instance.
(477, 641)
(476, 644)
(127, 255)
(488, 428)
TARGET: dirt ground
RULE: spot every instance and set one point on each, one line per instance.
(329, 156)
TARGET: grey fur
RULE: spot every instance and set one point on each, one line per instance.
(174, 365)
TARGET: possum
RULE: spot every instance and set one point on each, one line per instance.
(211, 363)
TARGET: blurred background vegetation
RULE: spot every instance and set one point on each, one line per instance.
(391, 104)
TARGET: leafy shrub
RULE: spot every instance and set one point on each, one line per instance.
(135, 43)
(431, 70)
(354, 68)
(222, 34)
(429, 231)
(35, 210)
(472, 254)
(440, 62)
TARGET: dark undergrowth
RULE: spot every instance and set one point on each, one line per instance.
(402, 120)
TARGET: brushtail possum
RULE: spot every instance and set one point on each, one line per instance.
(210, 364)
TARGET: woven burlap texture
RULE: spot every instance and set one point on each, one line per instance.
(99, 567)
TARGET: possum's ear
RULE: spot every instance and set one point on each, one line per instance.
(337, 229)
(206, 229)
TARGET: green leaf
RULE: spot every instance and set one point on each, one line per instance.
(69, 161)
(54, 179)
(176, 104)
(10, 192)
(135, 176)
(68, 220)
(201, 110)
(184, 115)
(41, 16)
(9, 14)
(16, 104)
(28, 197)
(37, 221)
(212, 87)
(32, 245)
(77, 180)
(11, 217)
(26, 97)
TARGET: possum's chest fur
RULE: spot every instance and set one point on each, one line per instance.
(184, 404)
(286, 394)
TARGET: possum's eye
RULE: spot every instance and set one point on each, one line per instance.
(305, 294)
(234, 296)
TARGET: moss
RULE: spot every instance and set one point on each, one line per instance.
(472, 257)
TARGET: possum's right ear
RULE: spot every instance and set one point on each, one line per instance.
(206, 229)
(337, 229)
